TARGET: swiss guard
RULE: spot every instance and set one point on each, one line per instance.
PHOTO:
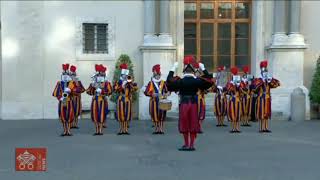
(220, 100)
(125, 87)
(262, 86)
(200, 97)
(77, 96)
(187, 87)
(157, 90)
(246, 98)
(64, 93)
(99, 89)
(234, 89)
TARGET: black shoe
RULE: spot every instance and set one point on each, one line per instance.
(218, 125)
(192, 149)
(184, 148)
(95, 134)
(76, 127)
(232, 131)
(161, 133)
(262, 131)
(126, 133)
(224, 125)
(268, 131)
(120, 133)
(63, 134)
(237, 131)
(200, 132)
(72, 127)
(69, 134)
(104, 126)
(154, 133)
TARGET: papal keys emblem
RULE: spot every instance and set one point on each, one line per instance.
(31, 159)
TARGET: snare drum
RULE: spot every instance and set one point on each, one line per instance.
(165, 104)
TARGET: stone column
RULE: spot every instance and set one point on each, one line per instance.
(149, 17)
(295, 37)
(165, 17)
(149, 21)
(157, 48)
(294, 16)
(286, 56)
(279, 36)
(165, 36)
(279, 17)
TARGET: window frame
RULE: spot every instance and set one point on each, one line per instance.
(80, 54)
(215, 21)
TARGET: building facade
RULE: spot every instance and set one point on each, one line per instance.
(38, 36)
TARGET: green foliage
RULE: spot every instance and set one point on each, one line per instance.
(117, 72)
(315, 86)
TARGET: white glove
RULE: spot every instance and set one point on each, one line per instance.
(124, 83)
(219, 87)
(201, 66)
(98, 91)
(61, 99)
(269, 80)
(174, 67)
(245, 80)
(67, 90)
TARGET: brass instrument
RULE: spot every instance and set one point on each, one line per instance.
(96, 84)
(129, 78)
(65, 95)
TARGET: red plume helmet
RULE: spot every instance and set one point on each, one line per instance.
(246, 69)
(264, 64)
(123, 66)
(188, 60)
(104, 69)
(234, 70)
(156, 68)
(196, 65)
(73, 68)
(220, 68)
(65, 67)
(97, 67)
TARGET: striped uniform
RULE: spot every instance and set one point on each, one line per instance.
(66, 112)
(246, 101)
(220, 103)
(201, 104)
(234, 102)
(158, 88)
(99, 104)
(263, 103)
(77, 98)
(124, 100)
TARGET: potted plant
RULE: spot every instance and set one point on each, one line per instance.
(315, 88)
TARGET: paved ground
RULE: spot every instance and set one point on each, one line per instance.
(291, 152)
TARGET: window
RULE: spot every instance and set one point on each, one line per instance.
(95, 38)
(217, 32)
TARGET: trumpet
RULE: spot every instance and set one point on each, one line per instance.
(65, 95)
(129, 78)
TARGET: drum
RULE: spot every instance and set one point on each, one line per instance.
(165, 104)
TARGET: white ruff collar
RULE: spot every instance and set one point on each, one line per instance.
(156, 80)
(189, 75)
